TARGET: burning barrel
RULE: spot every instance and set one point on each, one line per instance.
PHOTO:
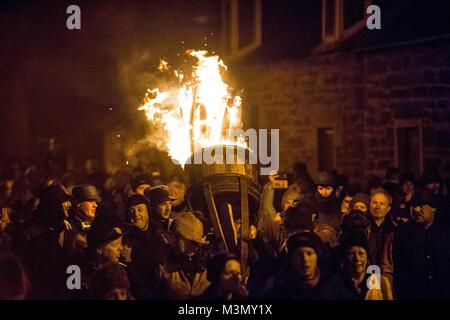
(223, 182)
(199, 111)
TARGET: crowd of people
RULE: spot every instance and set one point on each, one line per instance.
(132, 235)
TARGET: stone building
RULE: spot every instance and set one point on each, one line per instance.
(360, 100)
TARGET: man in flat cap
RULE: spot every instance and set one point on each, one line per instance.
(82, 213)
(421, 252)
(160, 206)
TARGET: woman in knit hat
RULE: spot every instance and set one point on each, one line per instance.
(358, 279)
(304, 279)
(329, 210)
(225, 275)
(360, 202)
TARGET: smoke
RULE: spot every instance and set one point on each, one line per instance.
(137, 72)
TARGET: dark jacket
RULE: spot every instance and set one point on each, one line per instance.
(162, 226)
(377, 238)
(5, 241)
(329, 211)
(79, 228)
(80, 224)
(45, 259)
(345, 289)
(211, 294)
(89, 268)
(421, 259)
(149, 249)
(290, 288)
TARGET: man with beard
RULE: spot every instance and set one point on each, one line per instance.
(328, 204)
(421, 252)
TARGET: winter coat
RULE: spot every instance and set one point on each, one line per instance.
(348, 292)
(421, 261)
(329, 212)
(79, 229)
(211, 294)
(183, 278)
(148, 250)
(377, 238)
(291, 288)
(45, 259)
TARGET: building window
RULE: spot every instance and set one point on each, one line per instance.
(342, 18)
(329, 6)
(241, 27)
(325, 149)
(408, 145)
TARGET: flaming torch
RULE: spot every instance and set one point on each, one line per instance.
(195, 115)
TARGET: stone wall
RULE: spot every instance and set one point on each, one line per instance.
(411, 82)
(361, 95)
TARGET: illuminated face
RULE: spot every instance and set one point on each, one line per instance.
(231, 276)
(356, 260)
(304, 261)
(379, 206)
(110, 252)
(139, 216)
(325, 191)
(345, 205)
(66, 206)
(361, 206)
(424, 214)
(164, 209)
(407, 187)
(88, 208)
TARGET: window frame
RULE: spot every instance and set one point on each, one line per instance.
(339, 32)
(230, 37)
(408, 123)
(322, 132)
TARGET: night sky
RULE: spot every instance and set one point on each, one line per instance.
(65, 80)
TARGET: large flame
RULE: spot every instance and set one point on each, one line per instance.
(197, 111)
